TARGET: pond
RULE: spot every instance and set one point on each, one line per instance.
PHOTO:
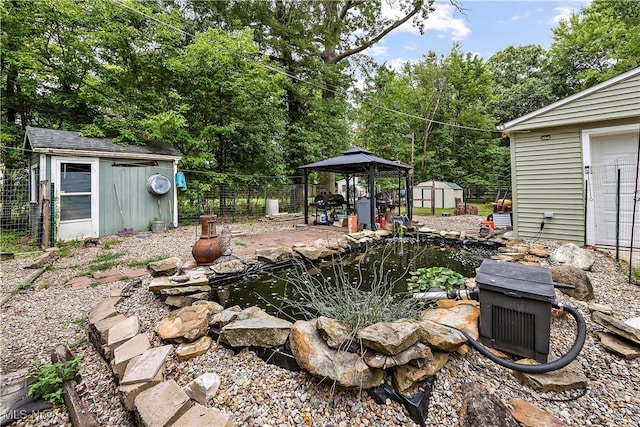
(393, 260)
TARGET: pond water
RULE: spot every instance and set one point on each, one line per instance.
(393, 260)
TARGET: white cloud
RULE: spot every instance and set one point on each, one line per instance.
(563, 13)
(378, 51)
(442, 20)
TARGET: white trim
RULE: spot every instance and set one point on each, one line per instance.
(606, 83)
(95, 191)
(587, 134)
(103, 154)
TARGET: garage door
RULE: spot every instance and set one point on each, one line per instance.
(612, 156)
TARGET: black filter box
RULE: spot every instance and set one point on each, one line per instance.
(515, 308)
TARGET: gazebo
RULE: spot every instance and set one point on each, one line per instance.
(360, 162)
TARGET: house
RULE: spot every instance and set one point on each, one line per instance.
(566, 159)
(443, 194)
(97, 187)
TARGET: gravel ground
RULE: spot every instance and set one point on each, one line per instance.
(35, 320)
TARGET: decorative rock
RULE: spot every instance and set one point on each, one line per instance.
(568, 378)
(601, 308)
(161, 405)
(164, 267)
(253, 312)
(203, 388)
(185, 324)
(198, 415)
(576, 277)
(539, 252)
(573, 255)
(105, 308)
(272, 255)
(617, 327)
(127, 351)
(390, 337)
(264, 331)
(185, 300)
(98, 332)
(312, 253)
(129, 392)
(480, 408)
(145, 368)
(228, 265)
(634, 322)
(212, 306)
(123, 331)
(407, 378)
(185, 290)
(314, 356)
(463, 316)
(226, 316)
(617, 346)
(382, 361)
(532, 416)
(440, 336)
(190, 350)
(336, 334)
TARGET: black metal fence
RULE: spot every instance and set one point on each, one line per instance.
(613, 212)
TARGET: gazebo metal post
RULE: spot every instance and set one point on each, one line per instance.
(409, 195)
(372, 195)
(348, 190)
(306, 197)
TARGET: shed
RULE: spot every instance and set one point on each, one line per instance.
(357, 161)
(98, 187)
(438, 194)
(565, 163)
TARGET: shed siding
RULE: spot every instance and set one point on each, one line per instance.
(139, 206)
(548, 178)
(618, 101)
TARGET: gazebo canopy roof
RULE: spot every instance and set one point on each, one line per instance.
(357, 160)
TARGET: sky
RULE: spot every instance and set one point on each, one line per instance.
(486, 27)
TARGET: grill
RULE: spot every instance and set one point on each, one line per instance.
(326, 201)
(515, 308)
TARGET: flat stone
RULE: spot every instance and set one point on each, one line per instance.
(441, 337)
(617, 346)
(105, 308)
(336, 334)
(568, 378)
(203, 388)
(123, 331)
(164, 267)
(129, 392)
(150, 362)
(382, 361)
(190, 350)
(462, 316)
(101, 328)
(532, 416)
(161, 405)
(82, 282)
(212, 306)
(130, 349)
(390, 337)
(110, 279)
(184, 290)
(264, 331)
(132, 273)
(198, 415)
(185, 300)
(226, 316)
(481, 408)
(617, 327)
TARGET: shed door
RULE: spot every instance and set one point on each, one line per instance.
(610, 154)
(76, 187)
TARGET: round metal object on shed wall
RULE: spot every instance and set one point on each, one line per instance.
(158, 185)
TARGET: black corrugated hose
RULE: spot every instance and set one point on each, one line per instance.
(567, 358)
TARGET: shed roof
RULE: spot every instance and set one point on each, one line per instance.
(54, 141)
(517, 123)
(357, 160)
(451, 185)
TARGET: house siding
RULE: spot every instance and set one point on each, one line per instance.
(618, 101)
(547, 177)
(139, 206)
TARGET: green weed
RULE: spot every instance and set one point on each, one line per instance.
(144, 262)
(49, 379)
(80, 320)
(77, 343)
(24, 286)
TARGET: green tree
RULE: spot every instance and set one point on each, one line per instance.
(595, 44)
(520, 82)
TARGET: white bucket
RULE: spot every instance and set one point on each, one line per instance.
(272, 207)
